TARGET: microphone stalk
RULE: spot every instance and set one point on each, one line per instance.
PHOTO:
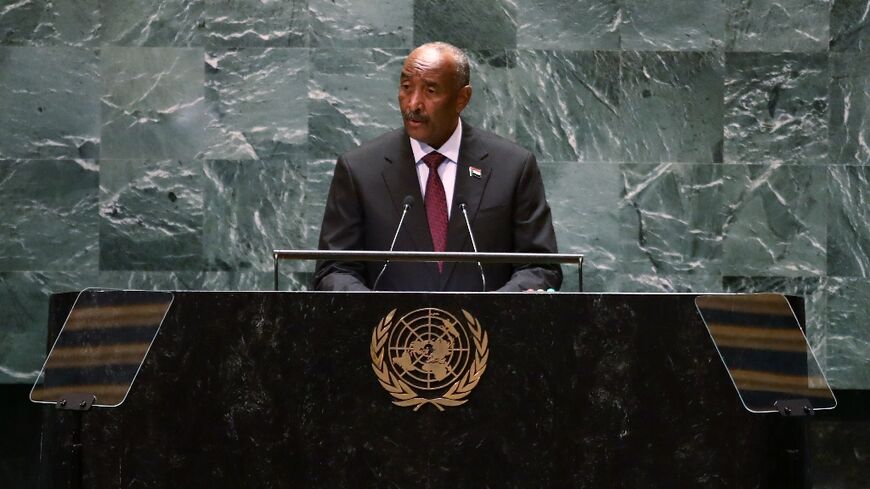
(407, 203)
(473, 244)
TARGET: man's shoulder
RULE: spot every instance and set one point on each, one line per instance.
(381, 146)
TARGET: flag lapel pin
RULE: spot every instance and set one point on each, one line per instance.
(475, 172)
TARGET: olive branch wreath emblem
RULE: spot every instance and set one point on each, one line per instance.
(404, 394)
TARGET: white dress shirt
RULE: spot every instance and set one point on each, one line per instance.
(447, 170)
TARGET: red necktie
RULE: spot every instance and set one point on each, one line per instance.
(436, 204)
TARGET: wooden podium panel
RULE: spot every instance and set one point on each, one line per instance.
(277, 390)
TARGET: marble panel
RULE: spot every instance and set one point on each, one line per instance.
(568, 105)
(253, 208)
(246, 280)
(593, 280)
(848, 333)
(50, 103)
(318, 178)
(257, 102)
(660, 283)
(24, 302)
(775, 221)
(850, 25)
(50, 23)
(157, 23)
(672, 25)
(812, 289)
(49, 223)
(671, 219)
(151, 215)
(246, 23)
(848, 247)
(347, 23)
(492, 105)
(584, 199)
(850, 108)
(139, 280)
(776, 108)
(777, 25)
(154, 103)
(288, 280)
(671, 106)
(599, 121)
(352, 97)
(568, 24)
(481, 24)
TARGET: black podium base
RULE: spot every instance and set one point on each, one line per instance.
(580, 390)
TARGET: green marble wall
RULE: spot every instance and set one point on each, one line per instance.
(687, 145)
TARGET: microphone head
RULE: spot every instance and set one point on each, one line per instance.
(460, 200)
(408, 201)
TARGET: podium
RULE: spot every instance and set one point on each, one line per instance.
(281, 390)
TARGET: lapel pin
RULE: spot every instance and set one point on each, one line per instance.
(475, 172)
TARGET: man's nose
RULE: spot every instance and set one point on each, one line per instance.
(415, 101)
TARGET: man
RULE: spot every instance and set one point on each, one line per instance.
(436, 162)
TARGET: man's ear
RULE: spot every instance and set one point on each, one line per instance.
(463, 98)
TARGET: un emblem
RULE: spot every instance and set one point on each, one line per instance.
(429, 356)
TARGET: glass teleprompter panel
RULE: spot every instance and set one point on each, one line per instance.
(102, 346)
(766, 353)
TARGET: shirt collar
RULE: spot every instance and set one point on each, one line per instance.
(450, 148)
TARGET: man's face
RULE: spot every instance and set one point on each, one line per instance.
(429, 96)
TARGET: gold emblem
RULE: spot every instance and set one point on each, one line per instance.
(428, 356)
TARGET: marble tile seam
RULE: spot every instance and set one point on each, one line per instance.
(724, 164)
(94, 165)
(206, 38)
(406, 48)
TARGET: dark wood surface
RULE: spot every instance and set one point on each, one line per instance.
(581, 390)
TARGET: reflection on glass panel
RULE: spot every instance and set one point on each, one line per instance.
(102, 345)
(766, 353)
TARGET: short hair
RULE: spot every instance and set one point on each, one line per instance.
(463, 67)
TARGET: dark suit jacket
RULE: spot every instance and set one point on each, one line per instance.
(506, 206)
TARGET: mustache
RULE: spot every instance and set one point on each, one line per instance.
(411, 115)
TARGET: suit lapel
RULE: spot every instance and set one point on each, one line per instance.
(400, 177)
(470, 189)
(401, 180)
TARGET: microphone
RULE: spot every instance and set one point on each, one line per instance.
(407, 203)
(471, 235)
